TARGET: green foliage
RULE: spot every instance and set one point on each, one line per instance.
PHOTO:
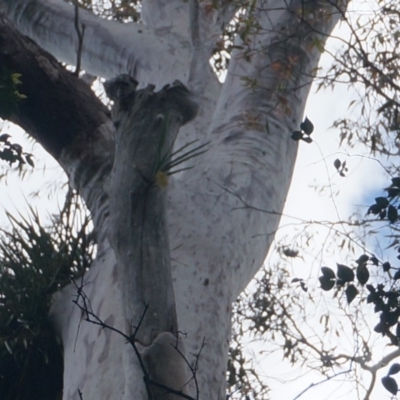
(9, 94)
(9, 99)
(13, 153)
(36, 261)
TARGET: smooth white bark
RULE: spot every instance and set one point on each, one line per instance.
(222, 214)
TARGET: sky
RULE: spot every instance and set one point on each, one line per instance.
(341, 197)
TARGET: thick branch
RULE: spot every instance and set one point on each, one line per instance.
(61, 112)
(109, 47)
(59, 108)
(147, 125)
(272, 69)
(262, 101)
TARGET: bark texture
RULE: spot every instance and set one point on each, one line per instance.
(147, 124)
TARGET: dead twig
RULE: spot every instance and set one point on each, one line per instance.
(80, 30)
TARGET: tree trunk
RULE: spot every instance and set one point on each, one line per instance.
(219, 217)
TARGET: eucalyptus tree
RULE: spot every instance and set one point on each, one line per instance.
(185, 179)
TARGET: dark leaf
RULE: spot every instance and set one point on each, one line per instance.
(393, 339)
(374, 209)
(392, 295)
(362, 259)
(345, 273)
(374, 260)
(307, 126)
(362, 274)
(290, 253)
(392, 214)
(380, 328)
(328, 273)
(382, 214)
(393, 192)
(17, 147)
(370, 288)
(337, 163)
(391, 318)
(371, 298)
(296, 135)
(396, 275)
(382, 202)
(396, 182)
(326, 283)
(4, 137)
(351, 293)
(398, 330)
(389, 384)
(386, 266)
(294, 280)
(29, 160)
(306, 139)
(379, 305)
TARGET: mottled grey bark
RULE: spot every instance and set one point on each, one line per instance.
(147, 124)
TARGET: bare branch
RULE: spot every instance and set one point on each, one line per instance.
(82, 302)
(328, 378)
(80, 30)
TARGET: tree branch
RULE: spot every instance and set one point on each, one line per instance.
(62, 114)
(147, 124)
(110, 47)
(58, 107)
(80, 31)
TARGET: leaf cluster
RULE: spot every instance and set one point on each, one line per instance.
(382, 292)
(388, 382)
(36, 261)
(9, 94)
(306, 129)
(344, 278)
(13, 153)
(384, 298)
(383, 206)
(341, 167)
